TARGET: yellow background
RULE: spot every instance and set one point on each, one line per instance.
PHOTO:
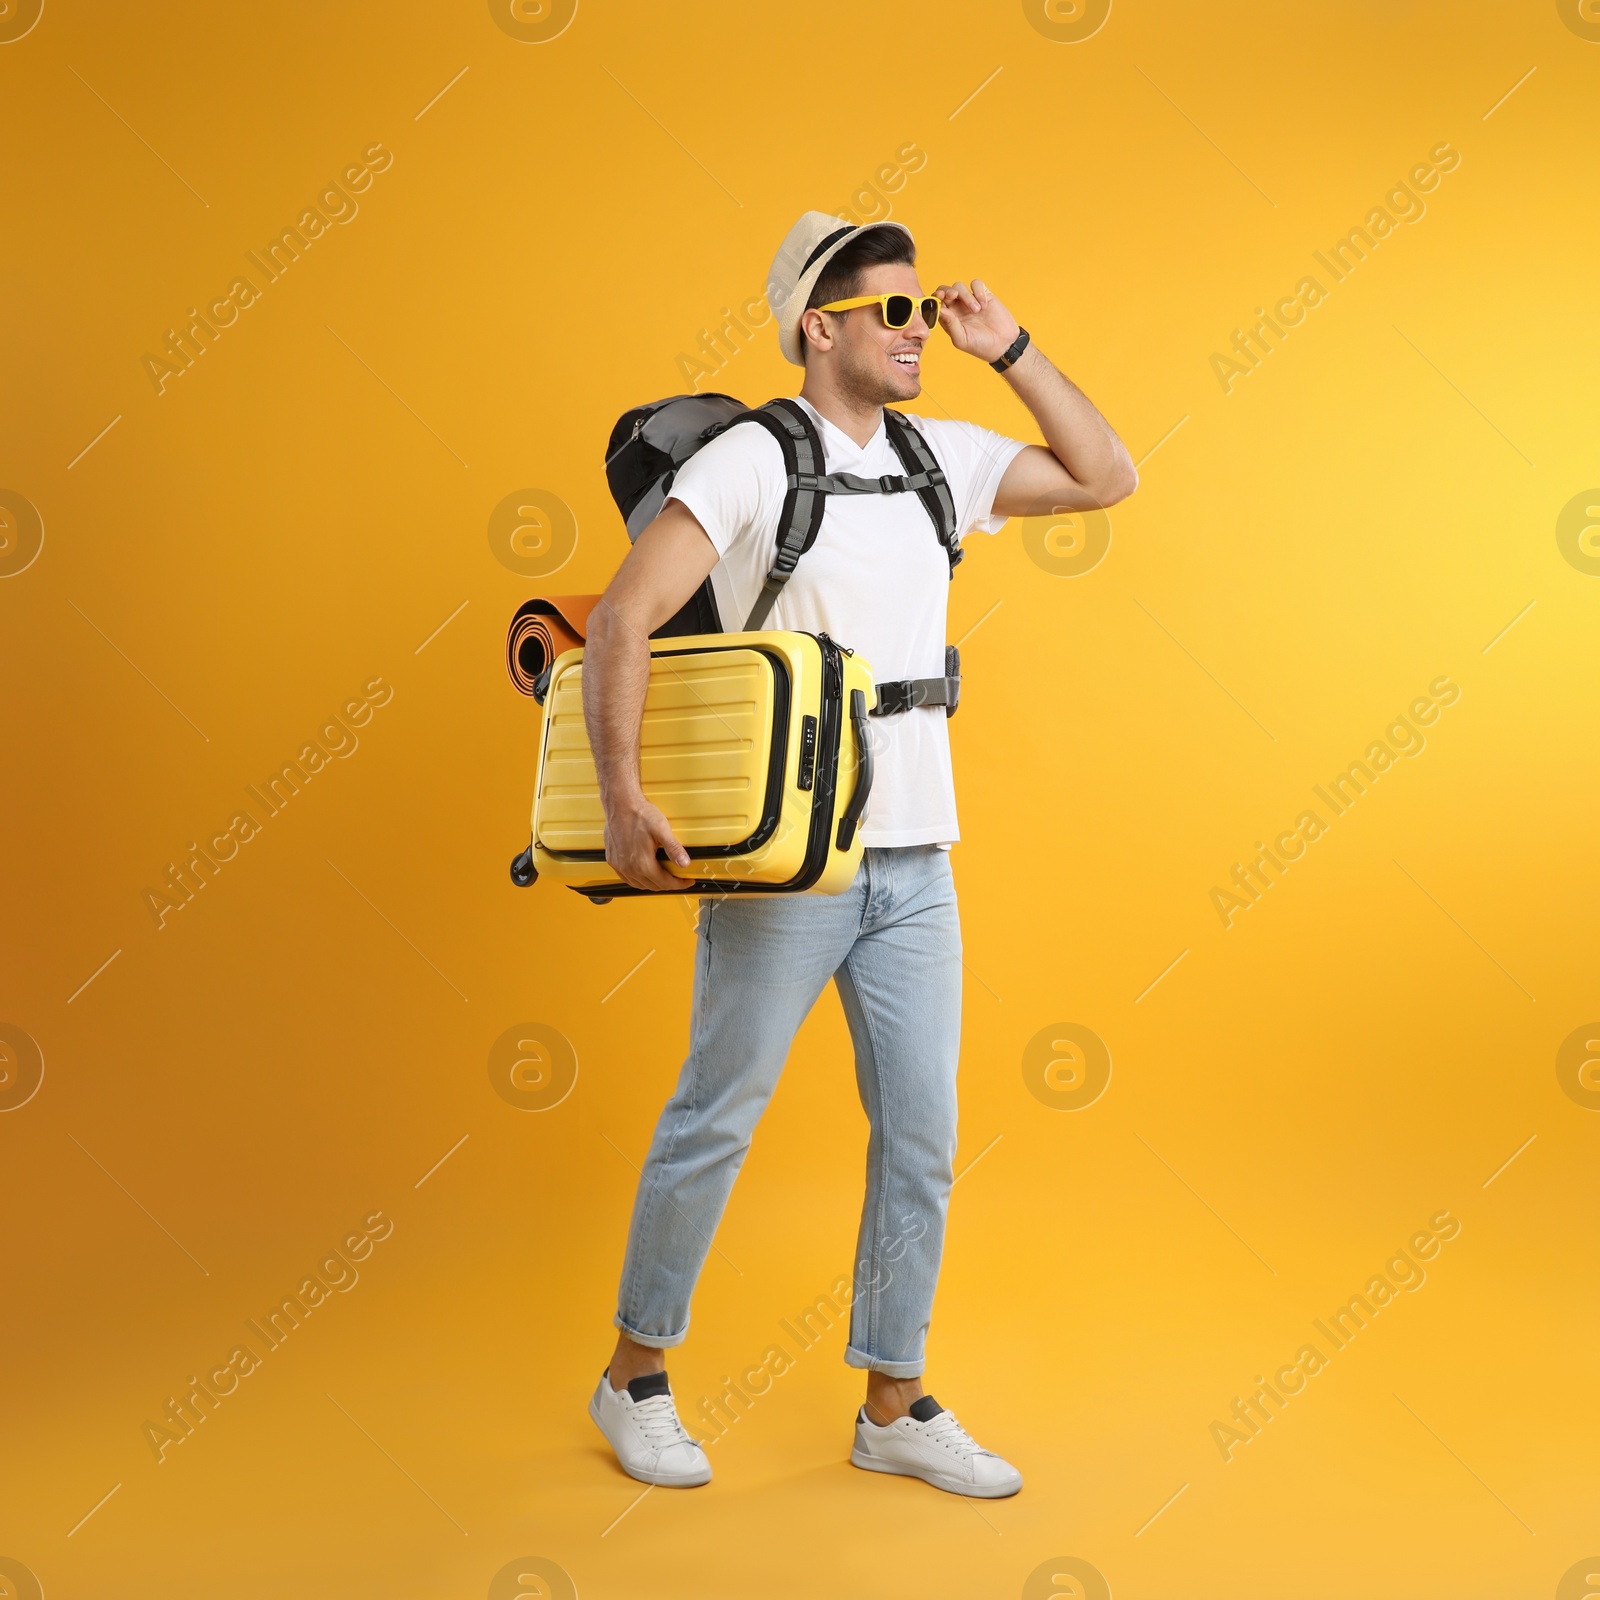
(299, 1046)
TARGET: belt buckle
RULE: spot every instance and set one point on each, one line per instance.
(893, 698)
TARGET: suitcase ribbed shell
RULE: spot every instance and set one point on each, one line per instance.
(703, 750)
(747, 746)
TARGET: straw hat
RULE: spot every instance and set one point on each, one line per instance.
(810, 245)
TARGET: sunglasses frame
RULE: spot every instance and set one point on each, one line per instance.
(918, 301)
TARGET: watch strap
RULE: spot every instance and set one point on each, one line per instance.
(1014, 353)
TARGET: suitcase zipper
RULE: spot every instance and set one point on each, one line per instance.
(833, 654)
(831, 732)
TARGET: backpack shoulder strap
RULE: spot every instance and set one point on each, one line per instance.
(928, 480)
(804, 500)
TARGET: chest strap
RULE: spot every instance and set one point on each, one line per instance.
(849, 483)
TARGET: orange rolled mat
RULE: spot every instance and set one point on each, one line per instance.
(540, 631)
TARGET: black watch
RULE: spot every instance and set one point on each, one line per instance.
(1013, 355)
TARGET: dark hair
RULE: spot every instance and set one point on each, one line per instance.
(877, 247)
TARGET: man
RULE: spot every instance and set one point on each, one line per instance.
(876, 579)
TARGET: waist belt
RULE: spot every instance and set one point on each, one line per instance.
(906, 694)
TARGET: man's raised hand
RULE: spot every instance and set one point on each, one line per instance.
(976, 322)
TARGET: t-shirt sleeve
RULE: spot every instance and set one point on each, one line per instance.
(733, 486)
(975, 460)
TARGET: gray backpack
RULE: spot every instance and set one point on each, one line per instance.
(650, 443)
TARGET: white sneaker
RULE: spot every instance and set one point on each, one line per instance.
(641, 1423)
(930, 1444)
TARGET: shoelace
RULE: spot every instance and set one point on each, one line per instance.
(945, 1430)
(658, 1422)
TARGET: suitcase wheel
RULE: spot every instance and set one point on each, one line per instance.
(523, 871)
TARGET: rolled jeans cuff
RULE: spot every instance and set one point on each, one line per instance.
(651, 1341)
(890, 1369)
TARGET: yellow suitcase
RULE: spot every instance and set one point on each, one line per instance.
(754, 745)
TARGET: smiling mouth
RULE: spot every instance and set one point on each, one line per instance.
(907, 358)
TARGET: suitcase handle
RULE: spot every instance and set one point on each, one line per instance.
(851, 814)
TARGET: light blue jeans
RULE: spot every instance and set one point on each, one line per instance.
(892, 944)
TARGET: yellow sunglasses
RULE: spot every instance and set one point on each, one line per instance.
(897, 309)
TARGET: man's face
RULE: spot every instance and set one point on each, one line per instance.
(874, 364)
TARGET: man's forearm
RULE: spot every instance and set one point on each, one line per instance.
(616, 675)
(1078, 436)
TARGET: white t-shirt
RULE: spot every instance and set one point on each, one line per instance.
(877, 580)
